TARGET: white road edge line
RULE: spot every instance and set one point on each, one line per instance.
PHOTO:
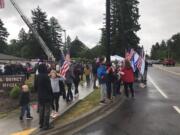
(157, 87)
(177, 109)
(178, 74)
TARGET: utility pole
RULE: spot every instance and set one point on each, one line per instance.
(108, 38)
(65, 39)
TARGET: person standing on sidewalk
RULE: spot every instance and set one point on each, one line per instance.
(45, 96)
(87, 72)
(94, 72)
(128, 78)
(101, 73)
(69, 82)
(109, 80)
(76, 77)
(24, 103)
(55, 80)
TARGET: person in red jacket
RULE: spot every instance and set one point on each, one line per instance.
(128, 78)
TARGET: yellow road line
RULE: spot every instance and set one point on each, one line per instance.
(25, 132)
(178, 74)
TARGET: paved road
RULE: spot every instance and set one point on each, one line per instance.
(151, 113)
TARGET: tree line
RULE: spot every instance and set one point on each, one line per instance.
(167, 49)
(124, 27)
(27, 46)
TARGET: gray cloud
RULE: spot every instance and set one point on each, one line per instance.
(159, 18)
(80, 17)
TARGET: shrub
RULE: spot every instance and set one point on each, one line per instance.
(15, 92)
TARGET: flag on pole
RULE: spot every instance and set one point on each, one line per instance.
(141, 62)
(66, 65)
(2, 5)
(129, 54)
(134, 61)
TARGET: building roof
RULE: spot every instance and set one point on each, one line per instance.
(9, 57)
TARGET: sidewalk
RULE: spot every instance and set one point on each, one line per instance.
(11, 125)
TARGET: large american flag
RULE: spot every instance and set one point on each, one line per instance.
(129, 54)
(65, 66)
(2, 4)
(141, 62)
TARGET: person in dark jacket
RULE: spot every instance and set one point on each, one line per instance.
(24, 103)
(128, 78)
(45, 96)
(110, 79)
(69, 82)
(76, 77)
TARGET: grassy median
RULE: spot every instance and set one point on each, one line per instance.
(81, 108)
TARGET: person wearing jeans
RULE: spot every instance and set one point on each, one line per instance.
(101, 73)
(24, 103)
(69, 96)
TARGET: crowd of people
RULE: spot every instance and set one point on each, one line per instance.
(16, 69)
(50, 85)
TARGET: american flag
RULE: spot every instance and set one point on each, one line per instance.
(65, 66)
(129, 54)
(2, 4)
(141, 62)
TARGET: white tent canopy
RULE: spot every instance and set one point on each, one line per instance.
(117, 58)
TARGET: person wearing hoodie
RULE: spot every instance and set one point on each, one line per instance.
(128, 78)
(43, 87)
(69, 82)
(101, 73)
(55, 84)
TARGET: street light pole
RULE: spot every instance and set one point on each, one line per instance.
(64, 38)
(108, 38)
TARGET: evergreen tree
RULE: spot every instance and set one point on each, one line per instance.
(56, 36)
(41, 24)
(3, 37)
(77, 47)
(124, 25)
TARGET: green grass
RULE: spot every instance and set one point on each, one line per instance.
(81, 108)
(2, 115)
(178, 64)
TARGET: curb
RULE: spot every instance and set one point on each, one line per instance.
(83, 121)
(37, 131)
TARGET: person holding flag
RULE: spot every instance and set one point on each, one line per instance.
(66, 71)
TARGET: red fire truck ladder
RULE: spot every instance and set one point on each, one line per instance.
(35, 33)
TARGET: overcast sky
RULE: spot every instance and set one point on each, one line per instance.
(159, 18)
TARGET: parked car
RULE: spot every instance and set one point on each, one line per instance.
(169, 62)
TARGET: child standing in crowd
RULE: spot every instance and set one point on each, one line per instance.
(101, 73)
(24, 103)
(128, 78)
(55, 84)
(87, 73)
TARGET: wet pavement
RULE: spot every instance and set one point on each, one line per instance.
(150, 113)
(11, 125)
